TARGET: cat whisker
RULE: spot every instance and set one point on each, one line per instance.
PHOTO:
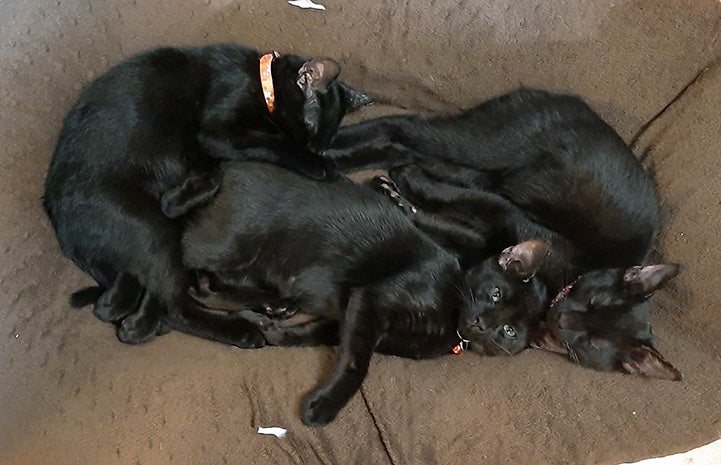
(505, 350)
(572, 355)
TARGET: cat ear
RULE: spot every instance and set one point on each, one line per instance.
(524, 258)
(542, 338)
(315, 74)
(643, 360)
(645, 280)
(354, 99)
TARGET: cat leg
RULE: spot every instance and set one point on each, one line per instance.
(125, 227)
(438, 197)
(119, 235)
(471, 222)
(195, 190)
(270, 150)
(388, 188)
(455, 235)
(320, 331)
(245, 298)
(120, 300)
(357, 340)
(378, 143)
(454, 174)
(228, 328)
(222, 314)
(144, 323)
(234, 328)
(470, 244)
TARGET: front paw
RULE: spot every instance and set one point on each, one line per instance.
(252, 340)
(138, 328)
(318, 168)
(318, 409)
(331, 172)
(281, 309)
(113, 306)
(388, 188)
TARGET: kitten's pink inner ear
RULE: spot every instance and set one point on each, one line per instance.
(648, 279)
(642, 360)
(526, 257)
(544, 339)
(318, 72)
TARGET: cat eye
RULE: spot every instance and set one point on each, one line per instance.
(495, 294)
(508, 329)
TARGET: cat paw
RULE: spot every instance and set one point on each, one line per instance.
(331, 173)
(202, 286)
(320, 169)
(138, 329)
(111, 309)
(277, 310)
(106, 312)
(194, 191)
(163, 328)
(253, 340)
(239, 332)
(386, 186)
(318, 409)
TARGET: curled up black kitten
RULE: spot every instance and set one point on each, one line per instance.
(162, 120)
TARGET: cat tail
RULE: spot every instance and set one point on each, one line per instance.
(86, 296)
(234, 327)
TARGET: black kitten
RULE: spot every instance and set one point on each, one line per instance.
(336, 250)
(526, 165)
(162, 120)
(603, 321)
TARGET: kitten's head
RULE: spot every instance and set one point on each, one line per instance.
(508, 302)
(603, 321)
(310, 101)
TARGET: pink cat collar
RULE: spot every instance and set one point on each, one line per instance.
(562, 294)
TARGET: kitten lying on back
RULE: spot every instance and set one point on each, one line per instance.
(336, 250)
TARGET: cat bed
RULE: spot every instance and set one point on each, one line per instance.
(71, 393)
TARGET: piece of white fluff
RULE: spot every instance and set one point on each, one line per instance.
(276, 431)
(306, 4)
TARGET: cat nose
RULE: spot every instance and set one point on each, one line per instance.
(480, 323)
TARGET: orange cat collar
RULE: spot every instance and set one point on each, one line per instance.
(266, 79)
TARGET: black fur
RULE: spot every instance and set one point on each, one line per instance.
(604, 321)
(335, 250)
(160, 122)
(526, 165)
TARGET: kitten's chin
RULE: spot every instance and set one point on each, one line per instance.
(485, 349)
(465, 333)
(476, 341)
